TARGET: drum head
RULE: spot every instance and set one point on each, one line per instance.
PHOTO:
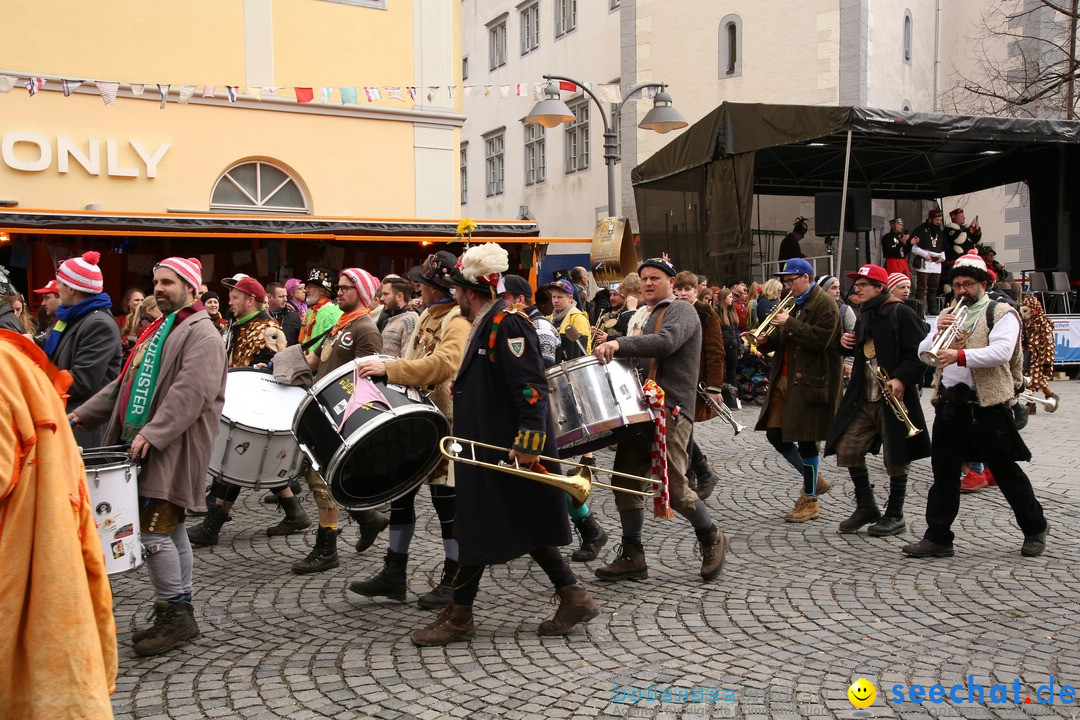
(254, 399)
(106, 460)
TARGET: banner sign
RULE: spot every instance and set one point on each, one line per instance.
(1066, 339)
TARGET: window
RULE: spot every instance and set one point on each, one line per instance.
(463, 172)
(577, 137)
(530, 27)
(493, 163)
(613, 4)
(907, 36)
(730, 46)
(259, 186)
(565, 17)
(497, 43)
(465, 68)
(535, 155)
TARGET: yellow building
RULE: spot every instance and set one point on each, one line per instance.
(212, 147)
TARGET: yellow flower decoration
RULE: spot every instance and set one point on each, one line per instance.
(465, 229)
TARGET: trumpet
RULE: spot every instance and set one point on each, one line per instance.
(719, 408)
(762, 331)
(1049, 403)
(895, 404)
(578, 486)
(947, 337)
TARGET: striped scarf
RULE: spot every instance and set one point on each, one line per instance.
(654, 394)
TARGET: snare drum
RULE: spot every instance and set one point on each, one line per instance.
(111, 478)
(371, 442)
(255, 446)
(596, 404)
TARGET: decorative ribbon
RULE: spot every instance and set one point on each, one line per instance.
(654, 394)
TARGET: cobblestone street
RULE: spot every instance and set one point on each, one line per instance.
(798, 613)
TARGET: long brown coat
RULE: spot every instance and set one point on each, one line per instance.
(814, 369)
(185, 413)
(711, 371)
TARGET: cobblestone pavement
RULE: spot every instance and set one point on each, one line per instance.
(798, 613)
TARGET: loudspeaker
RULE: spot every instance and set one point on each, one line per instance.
(827, 213)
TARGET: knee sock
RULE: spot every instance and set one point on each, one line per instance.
(632, 521)
(401, 537)
(897, 487)
(444, 499)
(860, 477)
(810, 473)
(976, 467)
(699, 517)
(554, 566)
(788, 450)
(576, 513)
(466, 583)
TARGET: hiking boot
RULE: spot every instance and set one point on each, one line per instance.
(806, 508)
(295, 520)
(156, 616)
(593, 538)
(927, 549)
(389, 582)
(892, 522)
(323, 556)
(575, 606)
(866, 511)
(1035, 545)
(370, 523)
(823, 485)
(713, 546)
(453, 624)
(294, 485)
(206, 533)
(629, 563)
(973, 482)
(177, 624)
(706, 479)
(442, 593)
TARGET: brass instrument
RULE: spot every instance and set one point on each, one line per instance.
(719, 408)
(895, 404)
(762, 331)
(947, 337)
(578, 486)
(1049, 403)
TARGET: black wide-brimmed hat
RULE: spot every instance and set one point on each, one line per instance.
(436, 271)
(322, 277)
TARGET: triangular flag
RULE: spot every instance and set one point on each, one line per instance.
(393, 92)
(348, 95)
(412, 92)
(538, 91)
(163, 90)
(431, 92)
(450, 90)
(209, 90)
(469, 90)
(7, 82)
(71, 86)
(137, 88)
(107, 90)
(253, 91)
(186, 91)
(372, 94)
(325, 93)
(231, 91)
(652, 91)
(34, 84)
(487, 90)
(504, 91)
(564, 85)
(609, 93)
(520, 89)
(304, 94)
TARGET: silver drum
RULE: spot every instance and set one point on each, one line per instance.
(595, 404)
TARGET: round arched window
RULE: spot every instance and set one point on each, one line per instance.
(258, 186)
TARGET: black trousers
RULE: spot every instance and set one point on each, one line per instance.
(971, 432)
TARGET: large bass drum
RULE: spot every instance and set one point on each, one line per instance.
(596, 404)
(111, 478)
(372, 442)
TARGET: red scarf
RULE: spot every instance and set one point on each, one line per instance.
(305, 332)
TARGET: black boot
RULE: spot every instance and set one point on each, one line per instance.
(370, 523)
(294, 485)
(206, 533)
(389, 582)
(295, 520)
(706, 478)
(442, 593)
(323, 556)
(593, 538)
(177, 623)
(866, 511)
(892, 523)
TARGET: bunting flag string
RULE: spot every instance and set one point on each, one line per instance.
(304, 94)
(372, 94)
(348, 96)
(107, 91)
(231, 91)
(34, 84)
(137, 89)
(163, 90)
(209, 91)
(186, 91)
(7, 83)
(393, 92)
(71, 86)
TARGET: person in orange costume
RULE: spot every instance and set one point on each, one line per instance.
(58, 648)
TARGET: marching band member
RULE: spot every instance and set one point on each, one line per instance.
(167, 403)
(500, 397)
(432, 355)
(669, 351)
(885, 338)
(973, 388)
(804, 382)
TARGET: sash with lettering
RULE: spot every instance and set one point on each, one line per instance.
(145, 370)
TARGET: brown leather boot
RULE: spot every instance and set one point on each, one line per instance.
(177, 625)
(713, 547)
(629, 564)
(453, 624)
(575, 606)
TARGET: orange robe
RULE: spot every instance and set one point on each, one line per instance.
(58, 642)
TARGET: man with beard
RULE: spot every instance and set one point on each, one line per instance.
(283, 312)
(167, 404)
(321, 312)
(397, 319)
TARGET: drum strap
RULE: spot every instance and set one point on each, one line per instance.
(315, 339)
(654, 364)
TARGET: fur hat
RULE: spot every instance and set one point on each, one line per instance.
(480, 267)
(971, 265)
(6, 288)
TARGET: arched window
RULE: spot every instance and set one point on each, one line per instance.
(907, 36)
(259, 186)
(730, 46)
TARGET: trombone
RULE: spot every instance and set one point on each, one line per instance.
(895, 403)
(947, 337)
(762, 331)
(719, 408)
(578, 486)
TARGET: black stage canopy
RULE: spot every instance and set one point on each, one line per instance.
(695, 195)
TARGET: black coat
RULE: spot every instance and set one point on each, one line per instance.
(501, 390)
(89, 349)
(9, 320)
(897, 331)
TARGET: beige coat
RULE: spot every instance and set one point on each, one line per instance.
(185, 413)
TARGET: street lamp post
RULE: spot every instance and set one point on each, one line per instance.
(552, 112)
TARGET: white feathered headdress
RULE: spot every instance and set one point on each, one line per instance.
(483, 265)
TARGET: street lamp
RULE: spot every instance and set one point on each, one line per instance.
(552, 112)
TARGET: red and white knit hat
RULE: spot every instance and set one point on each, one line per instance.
(82, 273)
(366, 283)
(897, 279)
(189, 269)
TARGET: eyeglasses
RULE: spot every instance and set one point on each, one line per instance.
(965, 285)
(345, 288)
(862, 284)
(790, 280)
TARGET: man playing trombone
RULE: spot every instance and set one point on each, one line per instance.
(976, 380)
(885, 345)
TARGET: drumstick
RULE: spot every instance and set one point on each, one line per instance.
(574, 335)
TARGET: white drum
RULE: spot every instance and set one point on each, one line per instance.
(255, 446)
(111, 478)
